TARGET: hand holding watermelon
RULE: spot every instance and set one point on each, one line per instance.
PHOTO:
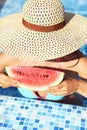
(6, 81)
(66, 87)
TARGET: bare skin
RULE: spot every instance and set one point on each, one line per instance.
(68, 86)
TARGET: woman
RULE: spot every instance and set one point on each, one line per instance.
(44, 35)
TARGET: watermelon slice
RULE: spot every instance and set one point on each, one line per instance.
(34, 78)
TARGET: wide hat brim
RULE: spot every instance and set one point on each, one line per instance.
(25, 44)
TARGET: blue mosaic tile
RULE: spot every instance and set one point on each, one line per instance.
(12, 117)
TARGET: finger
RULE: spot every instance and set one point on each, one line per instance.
(58, 93)
(7, 78)
(61, 85)
(12, 81)
(42, 93)
(55, 89)
(7, 83)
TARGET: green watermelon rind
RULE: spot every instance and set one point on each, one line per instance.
(36, 88)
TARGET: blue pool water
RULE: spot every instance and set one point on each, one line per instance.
(12, 6)
(76, 6)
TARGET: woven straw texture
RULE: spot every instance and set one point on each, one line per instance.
(23, 43)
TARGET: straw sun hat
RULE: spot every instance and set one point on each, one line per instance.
(43, 31)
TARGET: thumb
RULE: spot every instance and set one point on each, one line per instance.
(61, 85)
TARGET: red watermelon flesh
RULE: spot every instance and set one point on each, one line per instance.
(35, 78)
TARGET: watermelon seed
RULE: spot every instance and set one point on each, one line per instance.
(20, 72)
(45, 76)
(17, 72)
(41, 76)
(37, 74)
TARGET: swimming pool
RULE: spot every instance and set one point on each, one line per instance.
(12, 6)
(73, 6)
